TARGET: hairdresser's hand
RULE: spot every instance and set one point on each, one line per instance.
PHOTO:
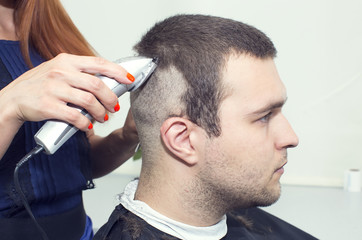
(43, 92)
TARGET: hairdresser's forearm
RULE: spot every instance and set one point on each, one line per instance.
(7, 134)
(108, 153)
(9, 123)
(9, 126)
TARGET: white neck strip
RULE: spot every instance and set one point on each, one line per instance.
(167, 225)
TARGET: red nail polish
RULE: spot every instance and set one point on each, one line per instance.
(117, 107)
(130, 77)
(90, 126)
(106, 117)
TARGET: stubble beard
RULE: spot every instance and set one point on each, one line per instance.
(226, 192)
(225, 199)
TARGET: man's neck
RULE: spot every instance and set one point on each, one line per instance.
(166, 224)
(178, 200)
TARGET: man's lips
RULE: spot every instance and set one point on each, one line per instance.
(281, 168)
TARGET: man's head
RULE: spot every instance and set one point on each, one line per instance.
(211, 112)
(197, 47)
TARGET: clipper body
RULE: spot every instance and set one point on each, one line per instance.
(55, 133)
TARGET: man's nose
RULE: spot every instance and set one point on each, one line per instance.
(286, 138)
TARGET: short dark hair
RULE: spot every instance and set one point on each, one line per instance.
(198, 47)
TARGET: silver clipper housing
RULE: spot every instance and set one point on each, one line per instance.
(54, 133)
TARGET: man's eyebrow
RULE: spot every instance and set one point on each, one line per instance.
(271, 106)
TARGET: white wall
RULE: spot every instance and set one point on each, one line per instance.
(320, 51)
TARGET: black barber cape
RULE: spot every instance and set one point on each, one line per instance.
(250, 224)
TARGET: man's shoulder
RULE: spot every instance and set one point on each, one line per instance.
(123, 224)
(255, 223)
(251, 223)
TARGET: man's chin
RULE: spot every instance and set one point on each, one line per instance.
(269, 197)
(261, 198)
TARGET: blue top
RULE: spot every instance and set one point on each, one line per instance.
(51, 183)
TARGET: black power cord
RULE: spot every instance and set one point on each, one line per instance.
(26, 158)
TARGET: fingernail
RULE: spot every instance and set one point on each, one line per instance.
(130, 77)
(117, 107)
(106, 117)
(90, 126)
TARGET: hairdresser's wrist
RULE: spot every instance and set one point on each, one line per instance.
(130, 136)
(128, 133)
(9, 117)
(9, 126)
(128, 139)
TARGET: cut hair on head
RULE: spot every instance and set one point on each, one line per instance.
(192, 51)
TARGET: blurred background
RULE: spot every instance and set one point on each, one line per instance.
(319, 46)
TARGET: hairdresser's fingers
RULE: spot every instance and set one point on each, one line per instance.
(97, 65)
(50, 107)
(48, 95)
(93, 85)
(87, 101)
(34, 94)
(71, 115)
(59, 79)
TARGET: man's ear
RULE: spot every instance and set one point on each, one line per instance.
(176, 134)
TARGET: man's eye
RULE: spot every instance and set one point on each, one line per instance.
(266, 117)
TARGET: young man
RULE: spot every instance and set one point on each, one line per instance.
(214, 139)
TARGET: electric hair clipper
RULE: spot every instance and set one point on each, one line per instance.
(55, 133)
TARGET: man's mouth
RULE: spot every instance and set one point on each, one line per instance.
(281, 169)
